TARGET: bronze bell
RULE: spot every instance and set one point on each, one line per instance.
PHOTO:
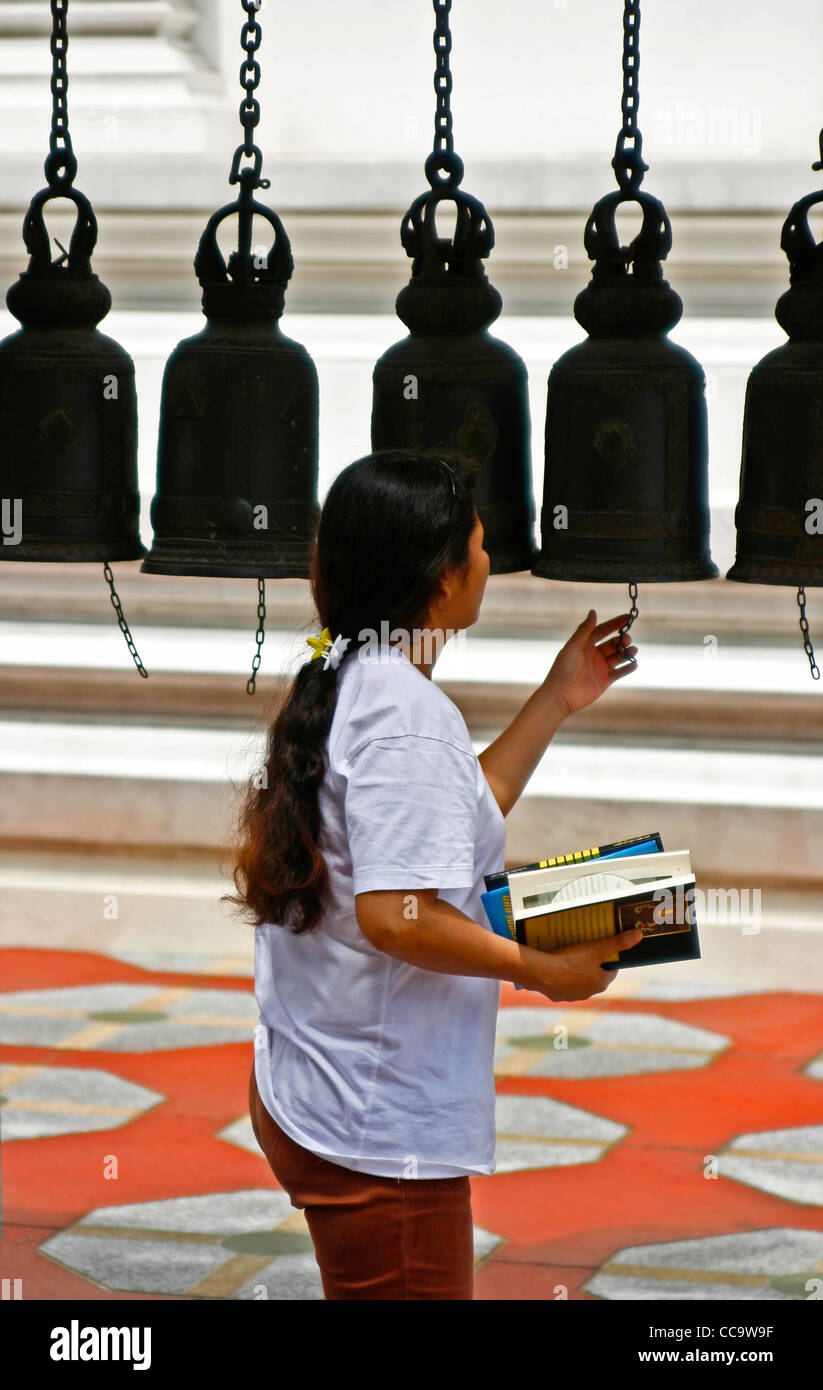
(237, 454)
(68, 407)
(626, 480)
(450, 384)
(778, 516)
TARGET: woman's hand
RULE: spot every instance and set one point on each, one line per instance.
(582, 670)
(575, 972)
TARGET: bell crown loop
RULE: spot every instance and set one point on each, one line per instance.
(449, 291)
(52, 292)
(250, 285)
(83, 238)
(803, 253)
(437, 256)
(616, 302)
(644, 253)
(800, 310)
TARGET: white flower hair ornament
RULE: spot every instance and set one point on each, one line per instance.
(331, 651)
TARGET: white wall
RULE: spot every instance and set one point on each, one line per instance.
(535, 77)
(731, 86)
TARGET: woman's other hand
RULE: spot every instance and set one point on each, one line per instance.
(588, 664)
(575, 972)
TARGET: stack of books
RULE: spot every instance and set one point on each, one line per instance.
(575, 897)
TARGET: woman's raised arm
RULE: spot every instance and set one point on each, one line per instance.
(581, 672)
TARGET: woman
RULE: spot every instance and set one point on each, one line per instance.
(362, 860)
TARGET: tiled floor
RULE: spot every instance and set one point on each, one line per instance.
(662, 1142)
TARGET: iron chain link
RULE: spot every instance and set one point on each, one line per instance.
(628, 164)
(60, 156)
(259, 636)
(804, 628)
(251, 36)
(633, 613)
(443, 140)
(631, 65)
(124, 627)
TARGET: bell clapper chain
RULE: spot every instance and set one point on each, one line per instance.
(121, 620)
(259, 636)
(804, 628)
(633, 613)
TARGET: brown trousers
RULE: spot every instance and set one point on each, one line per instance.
(374, 1237)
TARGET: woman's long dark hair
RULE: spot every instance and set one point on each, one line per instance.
(391, 523)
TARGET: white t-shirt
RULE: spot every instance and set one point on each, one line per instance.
(374, 1063)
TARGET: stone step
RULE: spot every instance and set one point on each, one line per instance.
(123, 904)
(746, 815)
(713, 690)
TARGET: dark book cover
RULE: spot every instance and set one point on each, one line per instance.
(664, 941)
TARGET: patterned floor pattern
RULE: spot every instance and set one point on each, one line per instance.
(666, 1143)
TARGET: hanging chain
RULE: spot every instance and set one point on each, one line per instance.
(444, 168)
(60, 156)
(804, 628)
(631, 66)
(124, 627)
(443, 141)
(259, 635)
(251, 36)
(628, 164)
(632, 615)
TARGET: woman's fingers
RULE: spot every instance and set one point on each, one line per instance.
(621, 654)
(621, 658)
(580, 632)
(621, 661)
(609, 626)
